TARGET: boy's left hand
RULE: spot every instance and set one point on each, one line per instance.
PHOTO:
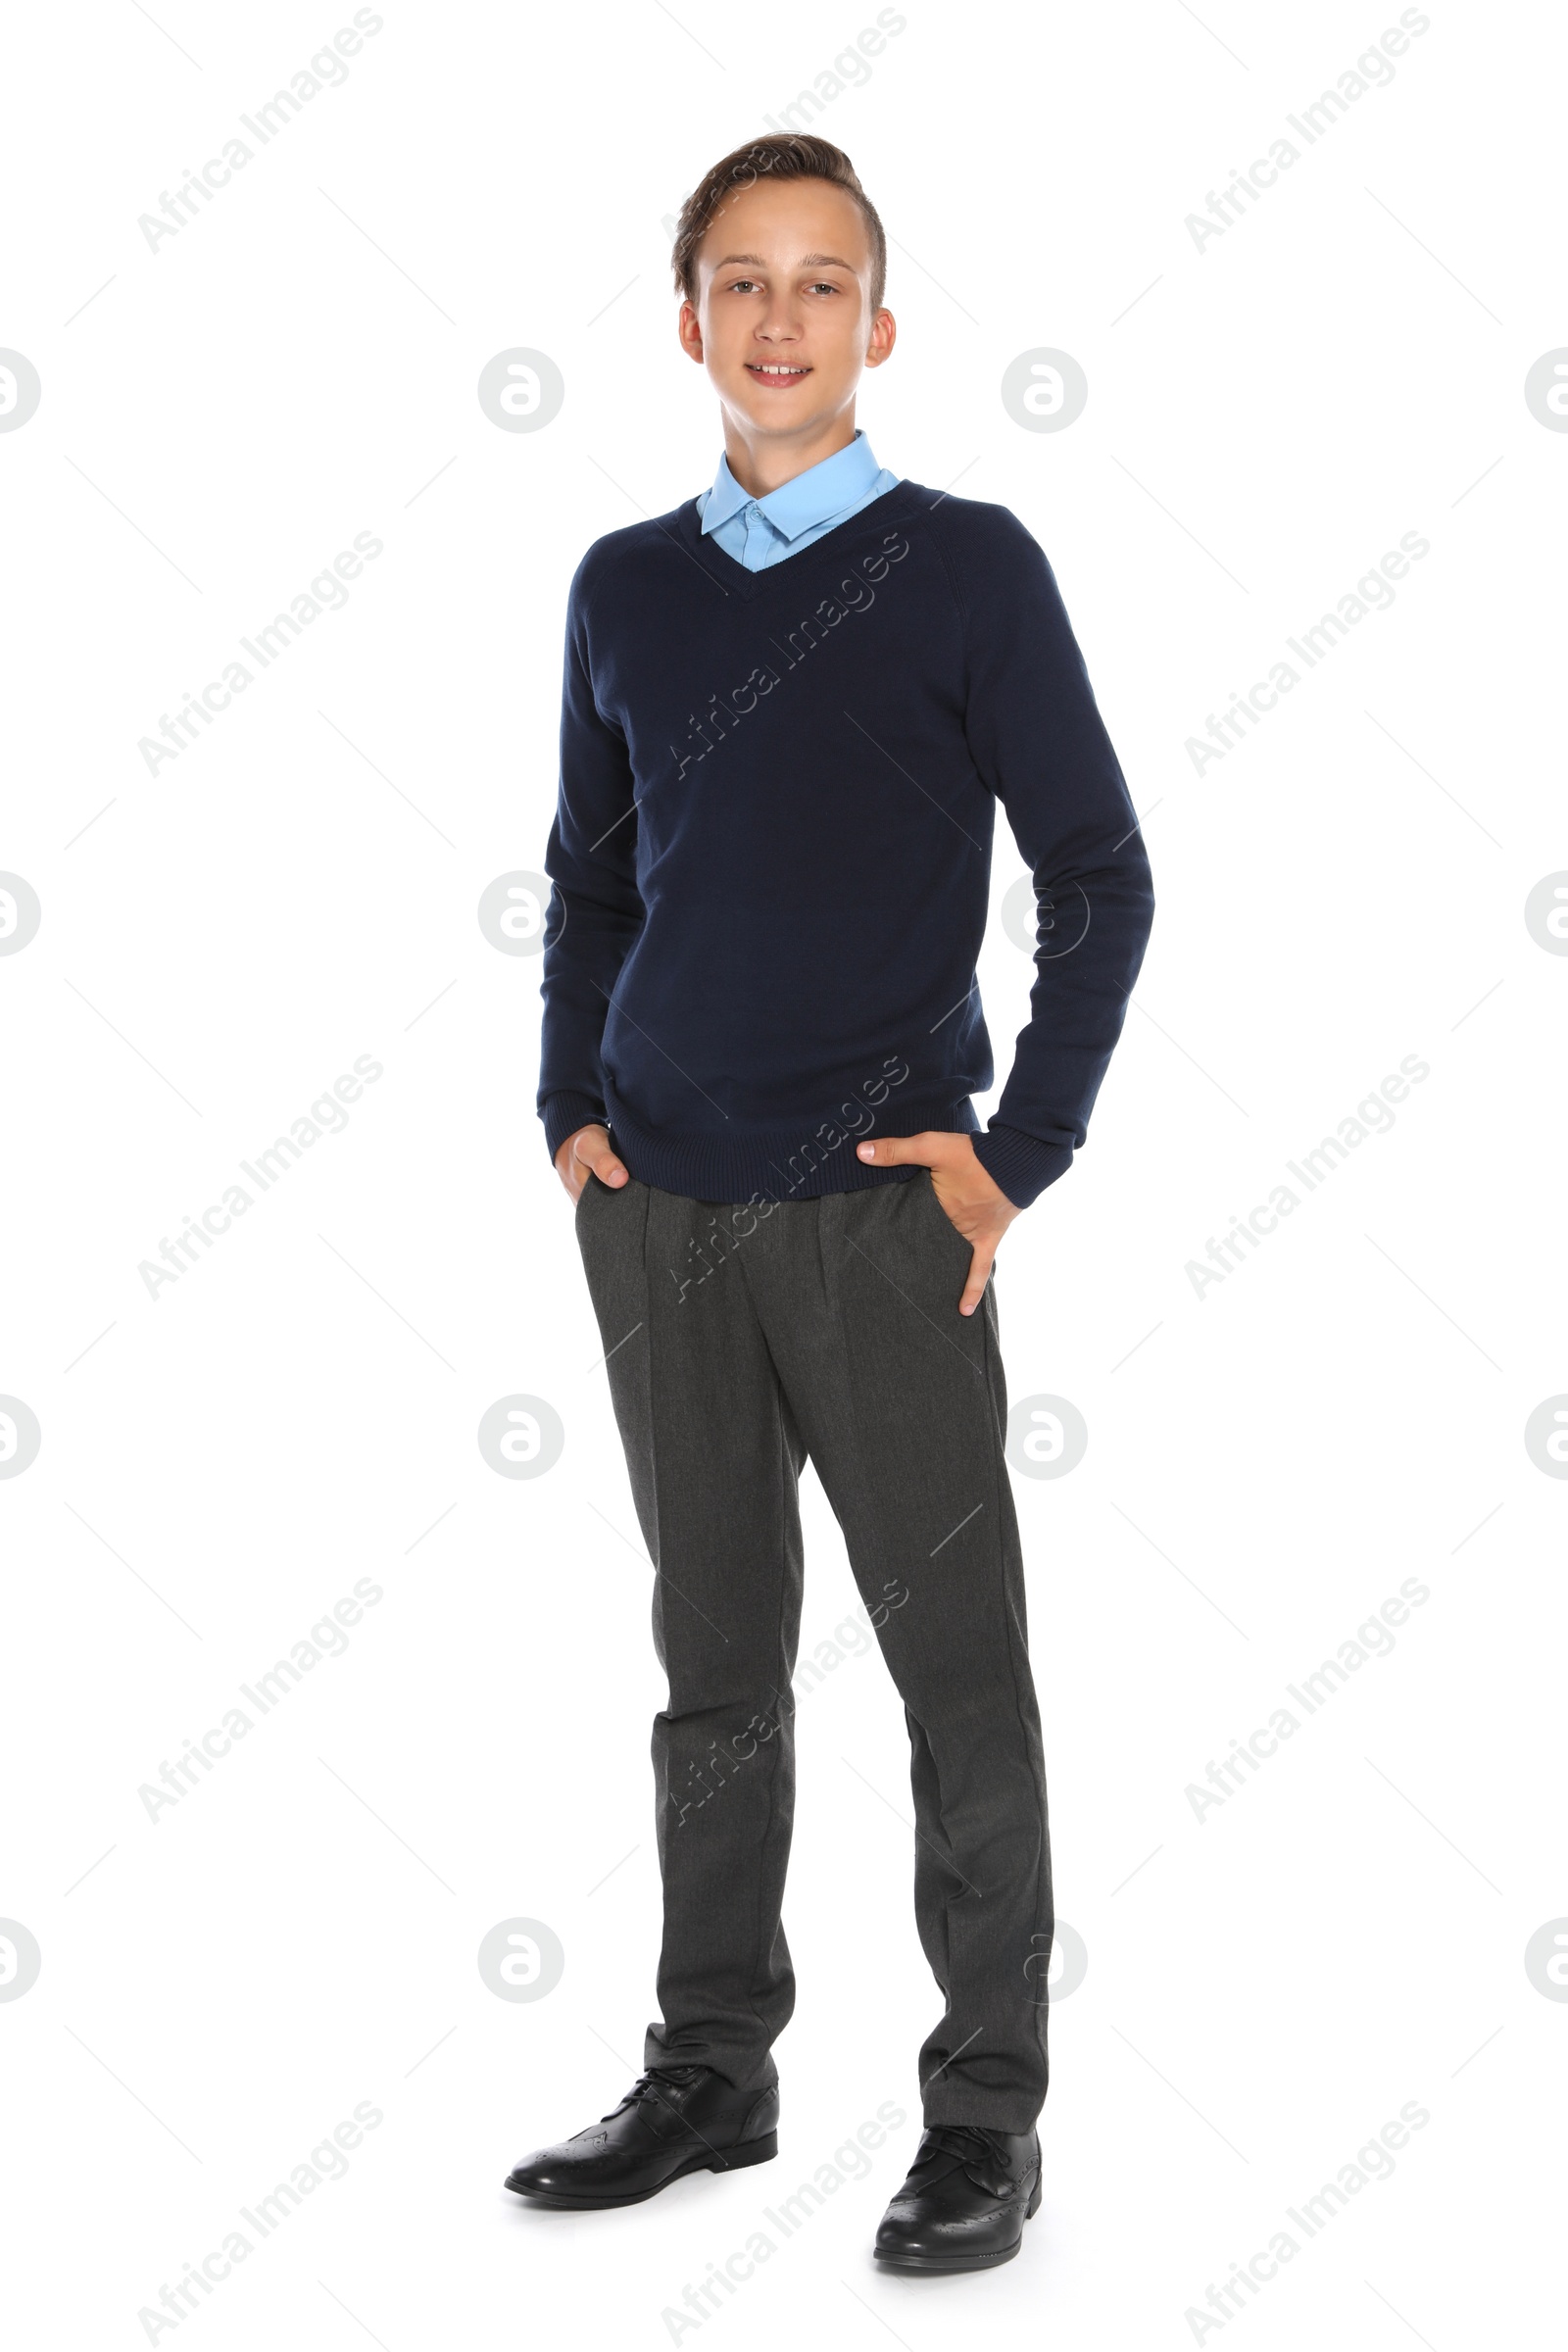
(978, 1208)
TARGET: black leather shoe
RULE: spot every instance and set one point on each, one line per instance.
(674, 2119)
(965, 2204)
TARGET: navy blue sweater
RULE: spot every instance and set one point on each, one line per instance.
(771, 855)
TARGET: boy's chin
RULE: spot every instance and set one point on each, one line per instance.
(778, 412)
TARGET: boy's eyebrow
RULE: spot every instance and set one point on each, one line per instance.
(807, 261)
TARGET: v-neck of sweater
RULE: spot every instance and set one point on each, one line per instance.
(734, 580)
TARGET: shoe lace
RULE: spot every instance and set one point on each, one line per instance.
(653, 2084)
(966, 2140)
(979, 2151)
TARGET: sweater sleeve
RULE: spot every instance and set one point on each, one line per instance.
(1041, 745)
(595, 911)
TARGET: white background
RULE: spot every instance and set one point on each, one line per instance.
(1267, 1985)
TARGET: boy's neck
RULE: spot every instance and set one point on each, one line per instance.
(763, 463)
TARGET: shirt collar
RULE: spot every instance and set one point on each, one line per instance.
(802, 502)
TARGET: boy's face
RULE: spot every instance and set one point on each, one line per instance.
(783, 320)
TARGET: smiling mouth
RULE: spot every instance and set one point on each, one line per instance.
(775, 372)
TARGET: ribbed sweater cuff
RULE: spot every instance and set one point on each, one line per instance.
(1020, 1165)
(564, 1114)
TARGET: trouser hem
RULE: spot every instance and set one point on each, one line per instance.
(990, 2115)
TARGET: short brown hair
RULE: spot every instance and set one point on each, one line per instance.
(785, 154)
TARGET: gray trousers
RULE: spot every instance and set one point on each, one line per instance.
(740, 1341)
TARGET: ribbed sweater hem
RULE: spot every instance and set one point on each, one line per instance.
(1019, 1164)
(775, 1164)
(564, 1113)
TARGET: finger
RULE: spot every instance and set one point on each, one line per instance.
(980, 1266)
(595, 1152)
(588, 1152)
(896, 1151)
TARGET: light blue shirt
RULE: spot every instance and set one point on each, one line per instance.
(762, 531)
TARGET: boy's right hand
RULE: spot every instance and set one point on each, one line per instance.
(588, 1153)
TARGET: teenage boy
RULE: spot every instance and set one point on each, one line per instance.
(791, 708)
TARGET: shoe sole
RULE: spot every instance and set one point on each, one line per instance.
(724, 2159)
(960, 2262)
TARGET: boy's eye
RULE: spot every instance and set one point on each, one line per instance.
(749, 285)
